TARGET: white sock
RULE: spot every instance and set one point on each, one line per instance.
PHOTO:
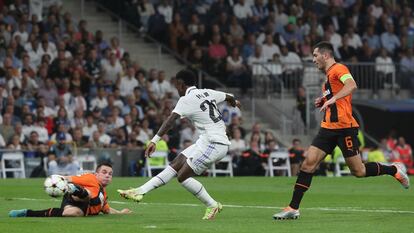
(196, 188)
(159, 180)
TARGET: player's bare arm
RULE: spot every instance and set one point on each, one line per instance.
(115, 211)
(232, 101)
(165, 127)
(349, 87)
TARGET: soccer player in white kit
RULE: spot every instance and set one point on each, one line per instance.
(199, 106)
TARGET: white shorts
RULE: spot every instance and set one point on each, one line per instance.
(202, 154)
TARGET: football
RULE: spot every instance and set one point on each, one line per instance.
(55, 185)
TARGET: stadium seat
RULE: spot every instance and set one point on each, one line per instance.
(151, 166)
(340, 169)
(87, 163)
(282, 156)
(15, 158)
(213, 171)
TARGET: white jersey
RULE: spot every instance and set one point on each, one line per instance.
(200, 107)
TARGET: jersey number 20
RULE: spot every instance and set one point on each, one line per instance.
(212, 108)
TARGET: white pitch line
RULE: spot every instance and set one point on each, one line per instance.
(334, 209)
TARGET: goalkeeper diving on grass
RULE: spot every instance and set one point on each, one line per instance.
(85, 195)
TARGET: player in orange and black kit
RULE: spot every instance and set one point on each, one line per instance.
(86, 196)
(338, 128)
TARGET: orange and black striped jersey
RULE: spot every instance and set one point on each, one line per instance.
(97, 194)
(339, 114)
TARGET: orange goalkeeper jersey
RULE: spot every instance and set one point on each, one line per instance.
(339, 114)
(97, 194)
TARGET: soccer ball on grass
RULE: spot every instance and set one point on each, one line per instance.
(55, 185)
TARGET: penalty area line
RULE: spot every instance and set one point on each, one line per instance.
(330, 209)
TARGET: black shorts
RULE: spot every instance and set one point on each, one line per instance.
(68, 200)
(345, 139)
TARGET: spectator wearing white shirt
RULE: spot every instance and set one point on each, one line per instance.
(79, 101)
(48, 48)
(116, 49)
(166, 10)
(384, 66)
(292, 68)
(112, 70)
(238, 145)
(160, 87)
(354, 40)
(100, 101)
(269, 48)
(22, 32)
(128, 83)
(34, 52)
(375, 9)
(89, 127)
(256, 61)
(104, 138)
(28, 125)
(237, 71)
(242, 10)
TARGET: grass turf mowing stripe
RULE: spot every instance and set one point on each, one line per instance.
(331, 209)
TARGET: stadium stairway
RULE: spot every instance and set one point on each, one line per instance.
(147, 54)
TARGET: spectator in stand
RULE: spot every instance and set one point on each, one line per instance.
(242, 11)
(405, 152)
(111, 70)
(297, 155)
(237, 71)
(166, 10)
(372, 38)
(346, 51)
(235, 124)
(145, 10)
(407, 70)
(99, 102)
(128, 83)
(236, 30)
(238, 145)
(354, 40)
(160, 87)
(249, 46)
(89, 127)
(216, 52)
(384, 66)
(269, 48)
(292, 68)
(49, 93)
(104, 138)
(178, 35)
(334, 38)
(6, 128)
(389, 40)
(251, 162)
(60, 158)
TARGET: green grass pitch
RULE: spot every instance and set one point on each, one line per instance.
(344, 204)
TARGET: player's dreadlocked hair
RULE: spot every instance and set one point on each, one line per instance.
(187, 76)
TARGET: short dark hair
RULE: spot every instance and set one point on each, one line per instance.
(324, 46)
(107, 164)
(187, 76)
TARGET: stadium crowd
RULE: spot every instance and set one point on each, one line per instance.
(227, 37)
(61, 84)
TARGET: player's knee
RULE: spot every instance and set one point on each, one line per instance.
(359, 173)
(72, 212)
(308, 166)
